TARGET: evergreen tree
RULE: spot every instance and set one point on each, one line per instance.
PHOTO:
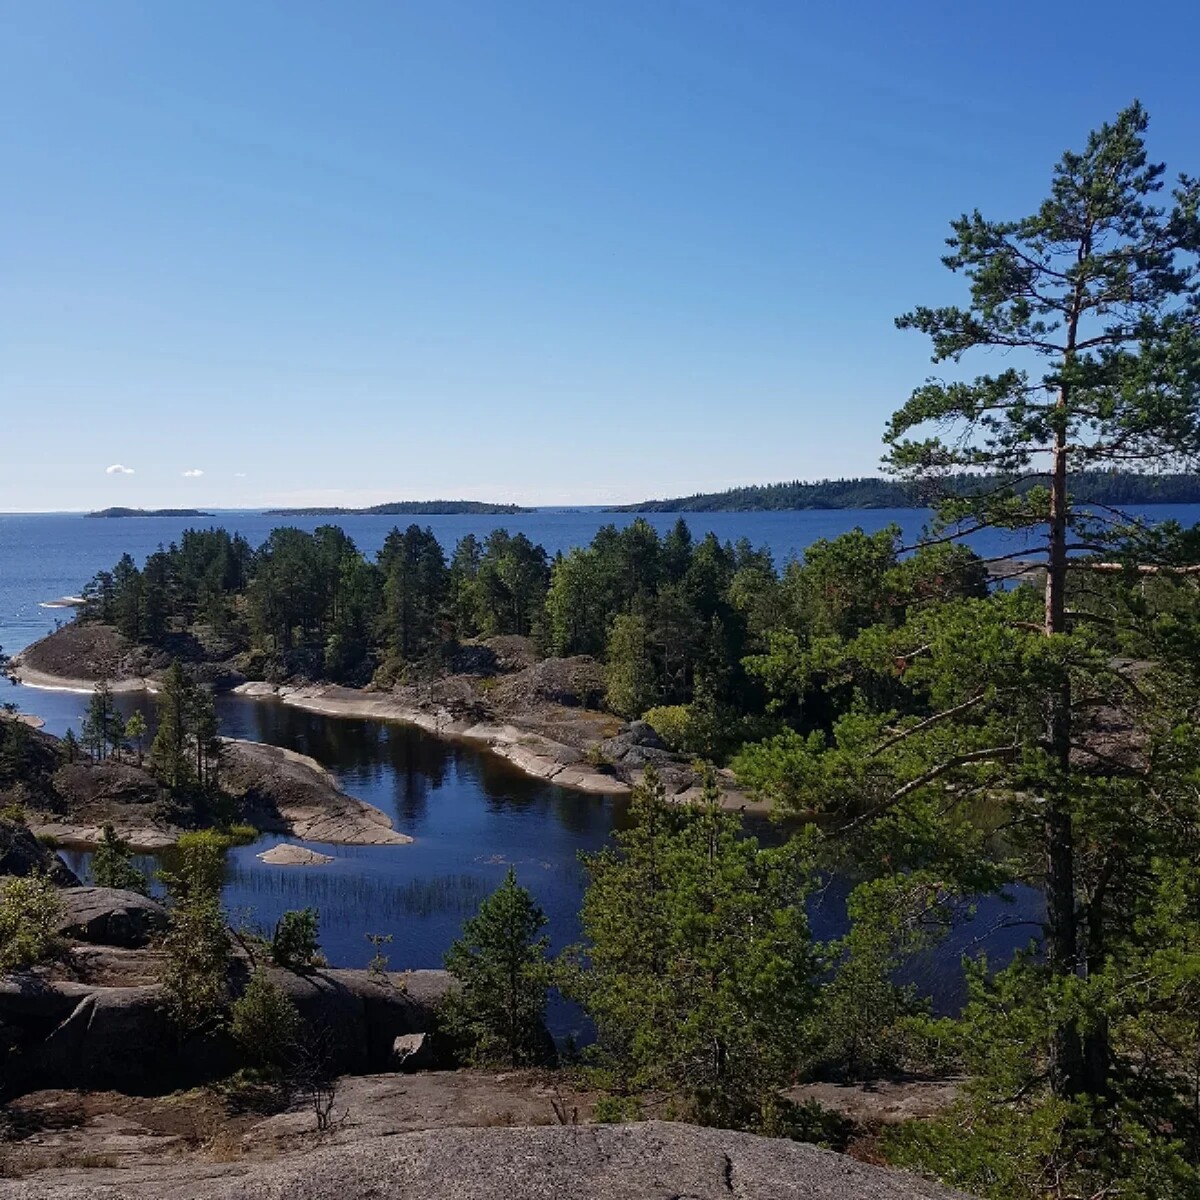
(127, 598)
(99, 725)
(500, 964)
(112, 864)
(169, 754)
(197, 941)
(135, 731)
(1101, 286)
(699, 967)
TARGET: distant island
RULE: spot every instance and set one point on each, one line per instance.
(148, 512)
(1115, 488)
(422, 508)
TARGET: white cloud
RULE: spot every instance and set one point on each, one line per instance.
(117, 469)
(194, 473)
(239, 474)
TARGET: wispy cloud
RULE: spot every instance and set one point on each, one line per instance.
(239, 474)
(193, 473)
(117, 469)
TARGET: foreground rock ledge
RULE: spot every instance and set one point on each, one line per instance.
(651, 1161)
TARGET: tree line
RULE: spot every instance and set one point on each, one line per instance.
(1099, 487)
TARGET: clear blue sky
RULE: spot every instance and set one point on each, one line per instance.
(532, 250)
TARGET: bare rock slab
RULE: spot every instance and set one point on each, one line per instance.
(650, 1161)
(286, 854)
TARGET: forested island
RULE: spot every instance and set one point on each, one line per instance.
(423, 508)
(1114, 487)
(147, 512)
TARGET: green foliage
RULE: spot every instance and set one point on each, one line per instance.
(867, 1025)
(197, 942)
(265, 1023)
(112, 865)
(378, 964)
(30, 911)
(674, 723)
(616, 1110)
(500, 964)
(135, 732)
(295, 942)
(698, 969)
(103, 729)
(630, 677)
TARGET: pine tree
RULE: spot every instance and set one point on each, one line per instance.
(112, 864)
(135, 731)
(1102, 286)
(698, 967)
(500, 964)
(169, 754)
(98, 727)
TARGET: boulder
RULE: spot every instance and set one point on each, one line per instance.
(22, 854)
(413, 1052)
(642, 733)
(111, 917)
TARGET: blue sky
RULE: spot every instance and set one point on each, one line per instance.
(536, 251)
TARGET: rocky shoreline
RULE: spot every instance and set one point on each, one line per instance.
(534, 754)
(276, 791)
(532, 712)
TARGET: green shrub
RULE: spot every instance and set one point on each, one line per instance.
(197, 941)
(264, 1022)
(14, 811)
(673, 723)
(613, 1110)
(294, 945)
(30, 911)
(240, 834)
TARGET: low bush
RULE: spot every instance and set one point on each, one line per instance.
(30, 911)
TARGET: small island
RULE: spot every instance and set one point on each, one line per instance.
(148, 512)
(422, 508)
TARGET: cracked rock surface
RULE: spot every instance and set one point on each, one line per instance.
(649, 1161)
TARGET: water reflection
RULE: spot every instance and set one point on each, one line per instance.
(472, 815)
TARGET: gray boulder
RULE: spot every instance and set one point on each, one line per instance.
(22, 854)
(413, 1052)
(111, 917)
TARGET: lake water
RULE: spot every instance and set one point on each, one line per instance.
(471, 813)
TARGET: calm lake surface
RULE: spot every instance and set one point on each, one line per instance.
(472, 815)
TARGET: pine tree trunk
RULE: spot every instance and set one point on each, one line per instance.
(1066, 1065)
(1068, 1073)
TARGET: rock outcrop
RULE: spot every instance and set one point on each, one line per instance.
(286, 792)
(649, 1161)
(22, 854)
(111, 917)
(287, 855)
(80, 1035)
